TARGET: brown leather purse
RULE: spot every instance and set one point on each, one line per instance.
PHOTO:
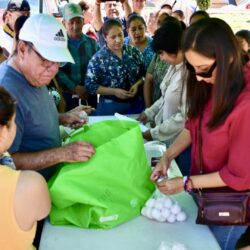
(221, 206)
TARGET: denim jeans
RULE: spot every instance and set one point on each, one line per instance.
(109, 107)
(227, 236)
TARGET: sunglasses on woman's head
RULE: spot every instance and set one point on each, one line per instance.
(207, 74)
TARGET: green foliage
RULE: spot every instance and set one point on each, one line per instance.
(203, 4)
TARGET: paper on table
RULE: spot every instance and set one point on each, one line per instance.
(126, 118)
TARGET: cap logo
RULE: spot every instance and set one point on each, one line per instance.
(59, 36)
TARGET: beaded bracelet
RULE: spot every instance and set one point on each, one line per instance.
(186, 180)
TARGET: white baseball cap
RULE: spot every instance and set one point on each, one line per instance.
(48, 36)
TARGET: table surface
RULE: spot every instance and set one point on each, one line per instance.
(137, 234)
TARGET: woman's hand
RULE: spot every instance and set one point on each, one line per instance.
(134, 89)
(171, 186)
(147, 135)
(122, 94)
(161, 168)
(142, 118)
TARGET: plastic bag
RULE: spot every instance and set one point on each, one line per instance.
(111, 187)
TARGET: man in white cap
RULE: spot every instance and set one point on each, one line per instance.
(35, 61)
(71, 77)
(15, 9)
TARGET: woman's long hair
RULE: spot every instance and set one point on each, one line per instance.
(213, 38)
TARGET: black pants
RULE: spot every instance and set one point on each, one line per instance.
(244, 240)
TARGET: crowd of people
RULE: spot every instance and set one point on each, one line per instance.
(170, 72)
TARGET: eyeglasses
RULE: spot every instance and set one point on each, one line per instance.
(46, 63)
(207, 74)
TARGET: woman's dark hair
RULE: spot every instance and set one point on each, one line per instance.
(7, 107)
(179, 13)
(18, 25)
(205, 37)
(199, 13)
(166, 6)
(110, 23)
(245, 34)
(84, 6)
(168, 37)
(134, 17)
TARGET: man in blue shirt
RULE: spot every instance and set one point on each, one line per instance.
(71, 77)
(35, 61)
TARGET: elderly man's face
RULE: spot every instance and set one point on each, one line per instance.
(74, 27)
(36, 69)
(12, 16)
(112, 9)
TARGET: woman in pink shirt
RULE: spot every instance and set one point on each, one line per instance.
(218, 93)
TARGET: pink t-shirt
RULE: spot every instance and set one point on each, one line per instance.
(227, 148)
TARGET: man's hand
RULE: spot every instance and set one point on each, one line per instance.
(147, 136)
(76, 117)
(122, 94)
(98, 2)
(77, 151)
(87, 109)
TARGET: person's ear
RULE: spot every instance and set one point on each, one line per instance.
(21, 47)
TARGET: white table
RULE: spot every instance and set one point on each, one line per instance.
(137, 234)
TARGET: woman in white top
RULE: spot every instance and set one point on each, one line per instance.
(168, 112)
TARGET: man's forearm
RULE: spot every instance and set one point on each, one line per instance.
(38, 160)
(98, 23)
(127, 9)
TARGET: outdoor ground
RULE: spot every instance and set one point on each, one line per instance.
(236, 19)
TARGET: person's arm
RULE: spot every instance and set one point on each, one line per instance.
(176, 185)
(119, 93)
(97, 20)
(169, 128)
(179, 145)
(148, 89)
(127, 8)
(134, 88)
(73, 152)
(32, 200)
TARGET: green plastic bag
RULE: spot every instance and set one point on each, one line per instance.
(109, 189)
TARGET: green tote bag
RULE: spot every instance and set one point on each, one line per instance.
(110, 188)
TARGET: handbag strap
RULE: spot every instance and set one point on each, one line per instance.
(200, 145)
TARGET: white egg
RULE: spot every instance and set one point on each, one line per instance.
(175, 209)
(165, 213)
(83, 115)
(149, 212)
(181, 216)
(156, 214)
(167, 202)
(150, 203)
(159, 205)
(171, 218)
(162, 219)
(143, 211)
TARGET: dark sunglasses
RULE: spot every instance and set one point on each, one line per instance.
(207, 74)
